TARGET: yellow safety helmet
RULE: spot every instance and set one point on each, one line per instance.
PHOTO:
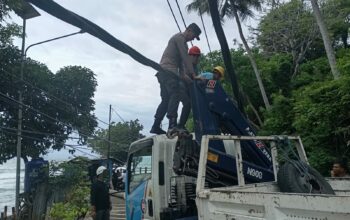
(220, 70)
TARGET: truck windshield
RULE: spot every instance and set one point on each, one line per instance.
(140, 167)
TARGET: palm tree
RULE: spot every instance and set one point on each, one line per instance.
(239, 10)
(326, 40)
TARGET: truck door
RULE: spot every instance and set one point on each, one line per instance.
(139, 173)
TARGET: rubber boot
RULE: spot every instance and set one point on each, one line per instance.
(156, 127)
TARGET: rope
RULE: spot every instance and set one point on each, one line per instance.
(286, 148)
(172, 12)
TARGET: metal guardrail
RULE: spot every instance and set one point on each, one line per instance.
(238, 154)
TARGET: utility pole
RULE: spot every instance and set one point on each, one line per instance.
(19, 125)
(25, 11)
(109, 137)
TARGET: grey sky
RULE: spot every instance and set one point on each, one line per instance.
(145, 25)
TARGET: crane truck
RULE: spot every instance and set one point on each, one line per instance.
(224, 171)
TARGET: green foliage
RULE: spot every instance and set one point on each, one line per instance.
(77, 205)
(8, 30)
(343, 61)
(310, 104)
(336, 13)
(322, 116)
(276, 73)
(316, 70)
(290, 29)
(122, 135)
(65, 96)
(70, 177)
(280, 117)
(64, 174)
(286, 28)
(78, 85)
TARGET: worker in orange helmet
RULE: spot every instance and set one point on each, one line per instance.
(194, 53)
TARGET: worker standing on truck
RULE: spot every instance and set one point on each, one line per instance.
(194, 53)
(176, 61)
(217, 74)
(100, 200)
(185, 96)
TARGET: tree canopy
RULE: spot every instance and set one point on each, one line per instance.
(56, 107)
(122, 135)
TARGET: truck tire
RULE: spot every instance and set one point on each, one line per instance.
(293, 180)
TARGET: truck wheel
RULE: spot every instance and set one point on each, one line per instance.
(307, 180)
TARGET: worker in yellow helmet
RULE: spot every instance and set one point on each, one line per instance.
(217, 74)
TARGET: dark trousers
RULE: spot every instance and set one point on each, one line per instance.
(185, 99)
(102, 214)
(170, 95)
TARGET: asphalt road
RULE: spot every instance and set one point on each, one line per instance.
(118, 207)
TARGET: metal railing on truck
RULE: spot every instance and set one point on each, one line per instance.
(238, 154)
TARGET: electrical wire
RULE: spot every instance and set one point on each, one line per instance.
(129, 138)
(182, 17)
(172, 12)
(50, 117)
(205, 31)
(75, 108)
(67, 112)
(75, 147)
(38, 132)
(115, 111)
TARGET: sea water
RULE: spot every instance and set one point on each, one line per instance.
(8, 183)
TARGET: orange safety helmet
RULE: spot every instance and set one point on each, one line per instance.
(194, 51)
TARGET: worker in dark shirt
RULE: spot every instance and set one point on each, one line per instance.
(100, 200)
(178, 65)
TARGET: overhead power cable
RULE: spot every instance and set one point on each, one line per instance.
(182, 17)
(38, 132)
(8, 97)
(73, 146)
(25, 136)
(118, 115)
(76, 109)
(81, 146)
(205, 31)
(50, 117)
(172, 12)
(81, 151)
